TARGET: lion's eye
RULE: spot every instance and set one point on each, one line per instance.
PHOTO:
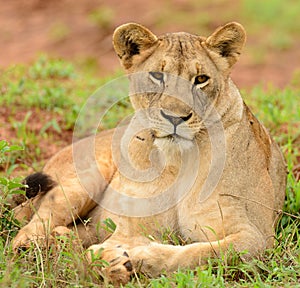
(158, 76)
(201, 80)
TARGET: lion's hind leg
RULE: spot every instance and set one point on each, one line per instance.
(60, 206)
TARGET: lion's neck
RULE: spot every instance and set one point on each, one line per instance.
(231, 105)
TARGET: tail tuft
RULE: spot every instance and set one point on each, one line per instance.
(38, 183)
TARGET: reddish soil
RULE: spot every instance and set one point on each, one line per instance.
(63, 28)
(49, 143)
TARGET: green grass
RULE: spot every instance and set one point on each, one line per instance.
(42, 103)
(59, 89)
(279, 19)
(277, 109)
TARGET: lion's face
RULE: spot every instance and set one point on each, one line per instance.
(177, 78)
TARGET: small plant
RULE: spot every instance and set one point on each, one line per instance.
(109, 225)
(8, 188)
(45, 67)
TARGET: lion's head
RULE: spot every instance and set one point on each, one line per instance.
(177, 78)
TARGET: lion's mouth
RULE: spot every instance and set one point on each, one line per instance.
(173, 137)
(170, 141)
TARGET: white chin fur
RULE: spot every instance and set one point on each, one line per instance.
(173, 147)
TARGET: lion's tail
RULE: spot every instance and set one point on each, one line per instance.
(37, 183)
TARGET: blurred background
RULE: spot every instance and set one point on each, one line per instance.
(81, 31)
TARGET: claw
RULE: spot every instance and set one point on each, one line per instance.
(128, 266)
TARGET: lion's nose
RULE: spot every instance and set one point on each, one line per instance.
(176, 120)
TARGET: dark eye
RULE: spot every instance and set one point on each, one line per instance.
(157, 75)
(201, 79)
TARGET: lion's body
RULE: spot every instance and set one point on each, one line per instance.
(240, 208)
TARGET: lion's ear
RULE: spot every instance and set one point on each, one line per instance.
(132, 39)
(228, 41)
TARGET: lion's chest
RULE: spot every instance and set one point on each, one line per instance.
(200, 221)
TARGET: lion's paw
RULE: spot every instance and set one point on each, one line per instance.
(33, 232)
(119, 268)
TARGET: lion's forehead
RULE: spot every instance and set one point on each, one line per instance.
(180, 54)
(181, 45)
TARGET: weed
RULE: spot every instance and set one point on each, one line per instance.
(47, 68)
(109, 225)
(8, 188)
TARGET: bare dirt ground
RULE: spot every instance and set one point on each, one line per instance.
(75, 30)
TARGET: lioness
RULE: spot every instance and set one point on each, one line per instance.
(193, 159)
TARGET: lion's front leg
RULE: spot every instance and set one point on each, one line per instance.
(127, 252)
(155, 258)
(127, 255)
